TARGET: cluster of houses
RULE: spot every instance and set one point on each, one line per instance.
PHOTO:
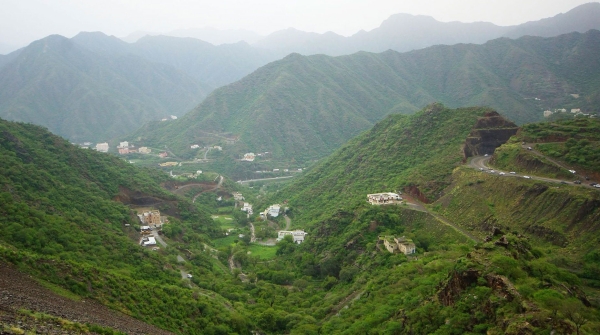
(397, 245)
(384, 198)
(123, 148)
(574, 111)
(150, 219)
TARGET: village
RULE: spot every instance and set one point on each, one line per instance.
(151, 223)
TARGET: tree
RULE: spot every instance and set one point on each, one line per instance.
(286, 246)
(575, 312)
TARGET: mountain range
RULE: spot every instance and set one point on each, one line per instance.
(179, 72)
(86, 96)
(209, 64)
(94, 87)
(306, 106)
(405, 32)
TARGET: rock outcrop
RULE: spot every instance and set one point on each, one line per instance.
(490, 132)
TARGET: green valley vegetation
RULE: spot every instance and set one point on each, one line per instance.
(304, 107)
(493, 255)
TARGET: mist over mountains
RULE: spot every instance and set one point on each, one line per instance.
(94, 87)
(405, 32)
(70, 87)
(400, 32)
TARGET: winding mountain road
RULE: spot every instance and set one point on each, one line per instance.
(481, 163)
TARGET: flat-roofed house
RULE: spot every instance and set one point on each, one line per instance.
(297, 235)
(395, 245)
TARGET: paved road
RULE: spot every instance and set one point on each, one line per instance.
(288, 222)
(158, 238)
(481, 162)
(275, 178)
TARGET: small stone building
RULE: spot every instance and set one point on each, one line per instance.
(395, 245)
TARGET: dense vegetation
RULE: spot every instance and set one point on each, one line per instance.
(401, 153)
(60, 221)
(512, 256)
(305, 107)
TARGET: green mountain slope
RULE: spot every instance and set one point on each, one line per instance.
(533, 269)
(214, 65)
(401, 152)
(64, 221)
(305, 107)
(85, 96)
(494, 255)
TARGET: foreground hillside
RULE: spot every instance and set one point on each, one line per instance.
(306, 107)
(64, 221)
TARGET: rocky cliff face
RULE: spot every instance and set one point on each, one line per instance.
(490, 132)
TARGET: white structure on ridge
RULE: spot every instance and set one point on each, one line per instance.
(383, 198)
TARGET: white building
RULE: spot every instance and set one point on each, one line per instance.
(247, 208)
(194, 146)
(297, 235)
(272, 211)
(124, 144)
(173, 117)
(102, 147)
(575, 110)
(144, 150)
(237, 196)
(150, 240)
(383, 198)
(249, 157)
(547, 113)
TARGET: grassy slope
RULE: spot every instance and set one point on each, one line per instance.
(60, 223)
(400, 151)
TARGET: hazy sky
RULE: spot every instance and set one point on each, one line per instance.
(22, 21)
